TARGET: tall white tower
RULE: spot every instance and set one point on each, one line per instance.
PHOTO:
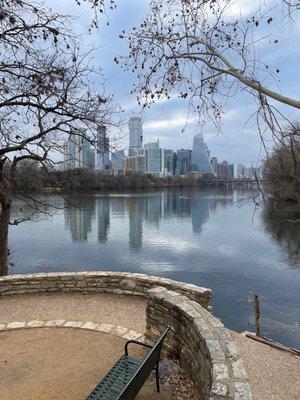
(135, 135)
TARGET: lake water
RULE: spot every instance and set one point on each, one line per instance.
(211, 238)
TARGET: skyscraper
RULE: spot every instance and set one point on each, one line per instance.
(66, 155)
(223, 171)
(183, 161)
(130, 163)
(169, 161)
(135, 135)
(152, 145)
(154, 160)
(77, 151)
(141, 163)
(214, 164)
(102, 149)
(242, 172)
(117, 160)
(231, 171)
(200, 156)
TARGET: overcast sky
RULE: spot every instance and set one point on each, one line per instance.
(239, 142)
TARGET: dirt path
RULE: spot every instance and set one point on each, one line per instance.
(273, 374)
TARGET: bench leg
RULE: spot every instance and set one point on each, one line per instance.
(157, 379)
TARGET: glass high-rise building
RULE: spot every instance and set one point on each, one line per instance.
(183, 161)
(152, 145)
(140, 163)
(231, 171)
(214, 164)
(117, 159)
(169, 161)
(154, 160)
(77, 151)
(200, 156)
(135, 135)
(102, 149)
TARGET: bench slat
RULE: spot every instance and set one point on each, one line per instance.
(116, 380)
(127, 376)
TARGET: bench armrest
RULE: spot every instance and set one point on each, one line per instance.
(135, 342)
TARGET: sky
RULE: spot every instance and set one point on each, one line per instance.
(239, 141)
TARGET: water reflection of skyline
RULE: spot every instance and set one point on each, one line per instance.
(149, 209)
(79, 217)
(103, 218)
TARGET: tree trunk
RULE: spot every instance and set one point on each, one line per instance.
(5, 204)
(4, 223)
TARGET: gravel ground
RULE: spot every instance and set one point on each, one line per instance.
(105, 308)
(273, 374)
(59, 364)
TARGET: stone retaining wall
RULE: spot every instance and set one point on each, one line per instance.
(110, 282)
(201, 342)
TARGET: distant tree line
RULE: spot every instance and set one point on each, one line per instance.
(31, 178)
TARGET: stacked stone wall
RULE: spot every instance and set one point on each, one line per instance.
(97, 282)
(201, 342)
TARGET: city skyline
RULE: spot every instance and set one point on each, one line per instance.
(143, 156)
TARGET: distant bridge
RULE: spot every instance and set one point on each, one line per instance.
(231, 182)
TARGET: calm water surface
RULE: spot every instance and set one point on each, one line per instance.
(206, 237)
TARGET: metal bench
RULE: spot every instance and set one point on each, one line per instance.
(127, 376)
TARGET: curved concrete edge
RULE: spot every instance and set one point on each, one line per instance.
(96, 282)
(119, 331)
(202, 343)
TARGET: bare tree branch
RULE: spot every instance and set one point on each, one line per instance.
(49, 90)
(200, 52)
